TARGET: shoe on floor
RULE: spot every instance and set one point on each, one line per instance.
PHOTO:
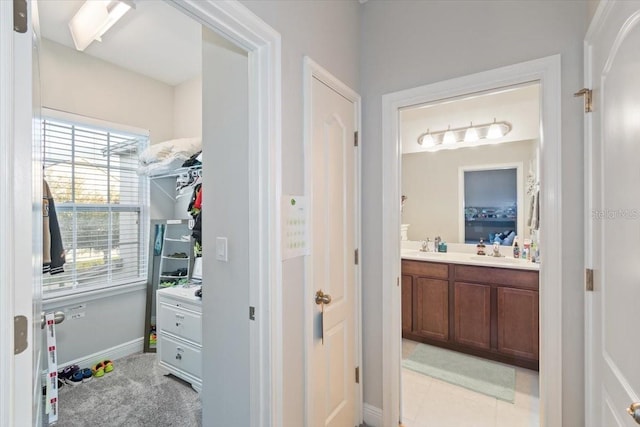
(66, 374)
(87, 374)
(76, 378)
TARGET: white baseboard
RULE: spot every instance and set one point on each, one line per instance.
(113, 353)
(372, 416)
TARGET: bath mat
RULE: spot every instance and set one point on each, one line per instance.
(481, 375)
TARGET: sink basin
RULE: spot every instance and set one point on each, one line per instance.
(505, 260)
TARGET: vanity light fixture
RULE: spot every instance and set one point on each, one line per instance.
(467, 134)
(449, 137)
(94, 18)
(495, 131)
(471, 135)
(427, 140)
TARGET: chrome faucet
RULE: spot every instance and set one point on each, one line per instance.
(436, 244)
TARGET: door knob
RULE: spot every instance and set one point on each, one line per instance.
(634, 411)
(59, 318)
(322, 298)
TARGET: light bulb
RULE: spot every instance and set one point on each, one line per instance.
(427, 140)
(449, 137)
(494, 131)
(471, 135)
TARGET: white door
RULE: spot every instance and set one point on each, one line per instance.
(331, 267)
(612, 61)
(21, 225)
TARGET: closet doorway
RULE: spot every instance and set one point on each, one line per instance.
(252, 348)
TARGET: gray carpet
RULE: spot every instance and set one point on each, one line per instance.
(484, 376)
(134, 394)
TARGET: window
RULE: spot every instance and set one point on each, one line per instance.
(101, 204)
(491, 205)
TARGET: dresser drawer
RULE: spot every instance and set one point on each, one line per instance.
(183, 323)
(179, 355)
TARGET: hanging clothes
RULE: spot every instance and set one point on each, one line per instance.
(53, 256)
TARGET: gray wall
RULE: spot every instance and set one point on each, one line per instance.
(328, 32)
(226, 284)
(411, 43)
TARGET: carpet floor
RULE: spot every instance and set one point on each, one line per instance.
(134, 394)
(484, 376)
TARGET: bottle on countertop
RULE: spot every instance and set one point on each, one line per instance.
(526, 251)
(480, 247)
(516, 250)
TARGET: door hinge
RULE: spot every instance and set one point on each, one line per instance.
(355, 139)
(357, 374)
(20, 16)
(587, 94)
(20, 334)
(588, 277)
(357, 257)
(252, 313)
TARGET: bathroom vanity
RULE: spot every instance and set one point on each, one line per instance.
(479, 306)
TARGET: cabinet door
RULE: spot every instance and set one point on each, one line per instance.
(431, 308)
(407, 303)
(518, 322)
(472, 314)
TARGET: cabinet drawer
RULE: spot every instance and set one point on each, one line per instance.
(178, 303)
(497, 276)
(181, 356)
(182, 323)
(426, 269)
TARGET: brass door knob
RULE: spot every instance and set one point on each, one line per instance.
(634, 411)
(322, 298)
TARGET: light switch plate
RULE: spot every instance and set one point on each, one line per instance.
(221, 249)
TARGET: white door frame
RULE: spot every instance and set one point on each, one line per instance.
(313, 70)
(236, 23)
(547, 72)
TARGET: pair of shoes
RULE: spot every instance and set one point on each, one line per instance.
(73, 375)
(66, 375)
(101, 368)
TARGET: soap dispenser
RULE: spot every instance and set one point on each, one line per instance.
(480, 247)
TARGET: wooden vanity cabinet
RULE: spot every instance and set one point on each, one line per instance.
(485, 311)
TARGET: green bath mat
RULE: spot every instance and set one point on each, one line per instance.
(484, 376)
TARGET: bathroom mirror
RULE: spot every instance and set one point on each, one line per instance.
(433, 177)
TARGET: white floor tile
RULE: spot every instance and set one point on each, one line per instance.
(429, 402)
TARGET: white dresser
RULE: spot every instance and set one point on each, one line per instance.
(179, 330)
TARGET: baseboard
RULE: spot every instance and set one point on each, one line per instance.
(113, 353)
(372, 416)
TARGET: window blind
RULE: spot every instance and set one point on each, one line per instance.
(101, 204)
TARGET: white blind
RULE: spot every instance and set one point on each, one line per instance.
(101, 204)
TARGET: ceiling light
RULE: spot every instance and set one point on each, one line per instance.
(94, 18)
(449, 137)
(471, 135)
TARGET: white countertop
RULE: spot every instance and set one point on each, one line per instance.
(469, 259)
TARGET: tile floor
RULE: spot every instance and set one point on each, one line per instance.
(429, 402)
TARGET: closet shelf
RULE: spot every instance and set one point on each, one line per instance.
(177, 240)
(176, 257)
(177, 172)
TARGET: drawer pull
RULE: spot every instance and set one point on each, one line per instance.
(178, 356)
(177, 323)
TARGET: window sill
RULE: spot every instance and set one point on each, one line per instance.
(77, 296)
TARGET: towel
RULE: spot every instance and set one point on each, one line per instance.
(535, 211)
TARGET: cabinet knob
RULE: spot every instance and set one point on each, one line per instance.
(177, 323)
(178, 356)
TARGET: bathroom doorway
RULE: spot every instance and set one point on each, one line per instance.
(472, 191)
(544, 73)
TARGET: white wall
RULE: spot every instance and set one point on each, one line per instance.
(187, 108)
(81, 84)
(327, 31)
(430, 181)
(411, 43)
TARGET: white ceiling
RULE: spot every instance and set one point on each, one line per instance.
(154, 39)
(518, 106)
